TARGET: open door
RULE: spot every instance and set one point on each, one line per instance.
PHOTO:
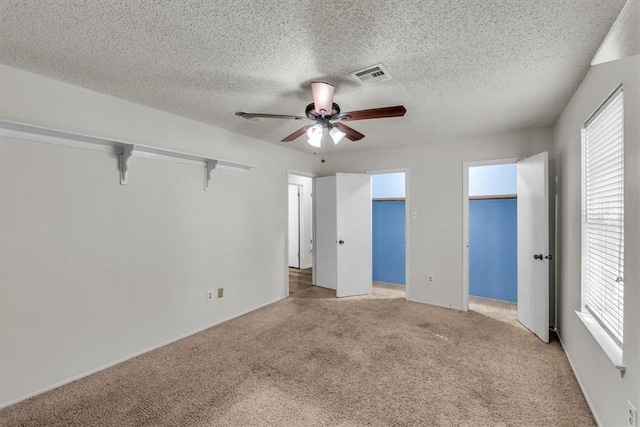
(343, 233)
(533, 245)
(353, 195)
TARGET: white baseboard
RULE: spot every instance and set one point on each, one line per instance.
(389, 283)
(435, 304)
(124, 359)
(325, 286)
(575, 374)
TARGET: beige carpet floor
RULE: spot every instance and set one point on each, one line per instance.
(316, 360)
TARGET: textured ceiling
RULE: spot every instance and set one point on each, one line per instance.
(623, 39)
(463, 67)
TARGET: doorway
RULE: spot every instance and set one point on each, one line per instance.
(389, 229)
(493, 232)
(490, 195)
(343, 235)
(530, 243)
(300, 233)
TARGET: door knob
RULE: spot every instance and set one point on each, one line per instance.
(341, 242)
(538, 256)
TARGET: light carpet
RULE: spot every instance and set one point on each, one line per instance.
(317, 360)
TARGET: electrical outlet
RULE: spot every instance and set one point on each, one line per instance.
(632, 415)
(430, 278)
(220, 292)
(210, 295)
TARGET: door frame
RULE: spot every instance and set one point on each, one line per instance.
(285, 215)
(299, 209)
(407, 220)
(465, 219)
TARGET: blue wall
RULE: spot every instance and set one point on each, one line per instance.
(388, 241)
(493, 257)
(493, 180)
(387, 185)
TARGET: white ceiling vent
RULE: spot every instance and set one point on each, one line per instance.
(373, 74)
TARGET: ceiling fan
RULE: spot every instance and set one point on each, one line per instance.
(326, 115)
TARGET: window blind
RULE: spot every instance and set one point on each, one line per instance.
(603, 216)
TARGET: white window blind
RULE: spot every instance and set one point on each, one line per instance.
(603, 216)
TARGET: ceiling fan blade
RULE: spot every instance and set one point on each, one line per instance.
(296, 134)
(350, 133)
(322, 97)
(375, 113)
(268, 116)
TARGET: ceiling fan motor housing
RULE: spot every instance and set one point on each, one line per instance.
(314, 115)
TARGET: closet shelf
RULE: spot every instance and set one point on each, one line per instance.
(125, 150)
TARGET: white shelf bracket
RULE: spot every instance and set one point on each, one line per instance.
(127, 152)
(209, 166)
(123, 149)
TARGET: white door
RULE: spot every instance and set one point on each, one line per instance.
(294, 226)
(325, 245)
(533, 245)
(353, 234)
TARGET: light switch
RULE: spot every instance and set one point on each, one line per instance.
(414, 215)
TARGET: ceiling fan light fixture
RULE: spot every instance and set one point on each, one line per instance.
(314, 133)
(323, 112)
(337, 135)
(322, 97)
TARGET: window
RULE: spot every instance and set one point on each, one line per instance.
(603, 217)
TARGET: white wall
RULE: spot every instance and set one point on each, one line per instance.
(492, 180)
(388, 185)
(306, 188)
(92, 272)
(435, 192)
(601, 382)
